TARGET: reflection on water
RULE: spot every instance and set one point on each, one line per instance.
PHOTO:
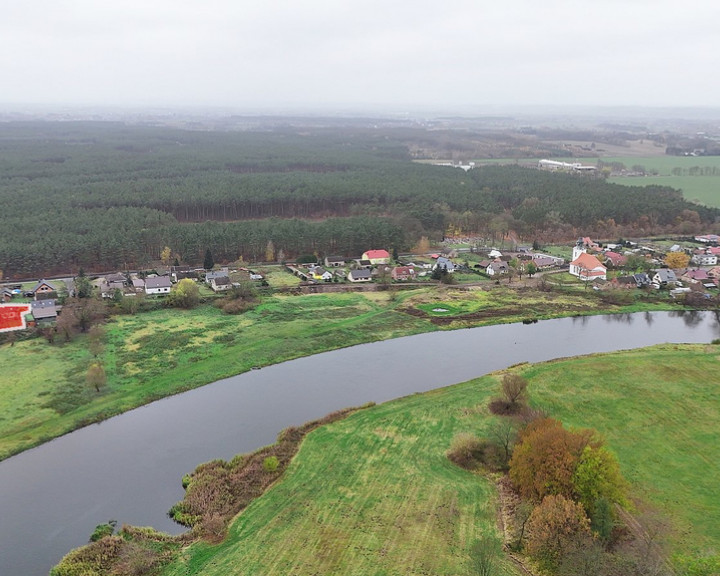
(620, 318)
(691, 318)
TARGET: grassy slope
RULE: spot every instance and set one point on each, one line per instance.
(156, 354)
(659, 409)
(374, 494)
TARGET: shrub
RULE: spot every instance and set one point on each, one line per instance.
(102, 530)
(554, 527)
(270, 464)
(465, 450)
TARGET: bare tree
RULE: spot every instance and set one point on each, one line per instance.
(514, 389)
(504, 433)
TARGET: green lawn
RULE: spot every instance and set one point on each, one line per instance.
(659, 409)
(375, 494)
(156, 354)
(372, 494)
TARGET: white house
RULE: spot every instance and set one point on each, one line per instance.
(158, 285)
(585, 266)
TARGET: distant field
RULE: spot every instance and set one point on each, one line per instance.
(375, 494)
(699, 188)
(703, 189)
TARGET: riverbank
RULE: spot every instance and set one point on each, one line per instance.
(157, 354)
(375, 493)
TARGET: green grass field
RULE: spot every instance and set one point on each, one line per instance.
(375, 494)
(156, 354)
(372, 494)
(703, 189)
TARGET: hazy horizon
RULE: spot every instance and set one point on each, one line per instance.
(398, 57)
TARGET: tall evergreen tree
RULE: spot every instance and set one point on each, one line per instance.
(209, 263)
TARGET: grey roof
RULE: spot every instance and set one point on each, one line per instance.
(335, 259)
(666, 275)
(442, 261)
(42, 309)
(40, 283)
(138, 283)
(158, 282)
(360, 274)
(115, 277)
(222, 281)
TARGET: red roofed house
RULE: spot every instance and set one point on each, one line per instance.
(377, 257)
(615, 259)
(588, 243)
(585, 266)
(403, 273)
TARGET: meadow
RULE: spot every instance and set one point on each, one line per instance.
(693, 175)
(155, 354)
(375, 493)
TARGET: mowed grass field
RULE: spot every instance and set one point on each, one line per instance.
(371, 495)
(659, 410)
(375, 495)
(703, 189)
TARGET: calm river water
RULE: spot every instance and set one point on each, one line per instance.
(129, 468)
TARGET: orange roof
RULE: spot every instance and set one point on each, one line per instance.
(587, 261)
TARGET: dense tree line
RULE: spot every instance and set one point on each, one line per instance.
(104, 195)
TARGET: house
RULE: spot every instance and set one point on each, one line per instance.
(220, 283)
(586, 267)
(361, 275)
(664, 277)
(43, 289)
(6, 295)
(158, 285)
(589, 244)
(556, 259)
(714, 272)
(403, 273)
(334, 261)
(138, 285)
(494, 254)
(216, 274)
(543, 262)
(445, 263)
(116, 280)
(708, 238)
(614, 259)
(642, 280)
(377, 257)
(624, 282)
(319, 273)
(497, 267)
(44, 310)
(695, 276)
(704, 259)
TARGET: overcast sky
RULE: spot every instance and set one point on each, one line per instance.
(333, 53)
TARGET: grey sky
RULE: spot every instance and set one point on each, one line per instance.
(275, 53)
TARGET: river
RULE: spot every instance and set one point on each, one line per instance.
(129, 468)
